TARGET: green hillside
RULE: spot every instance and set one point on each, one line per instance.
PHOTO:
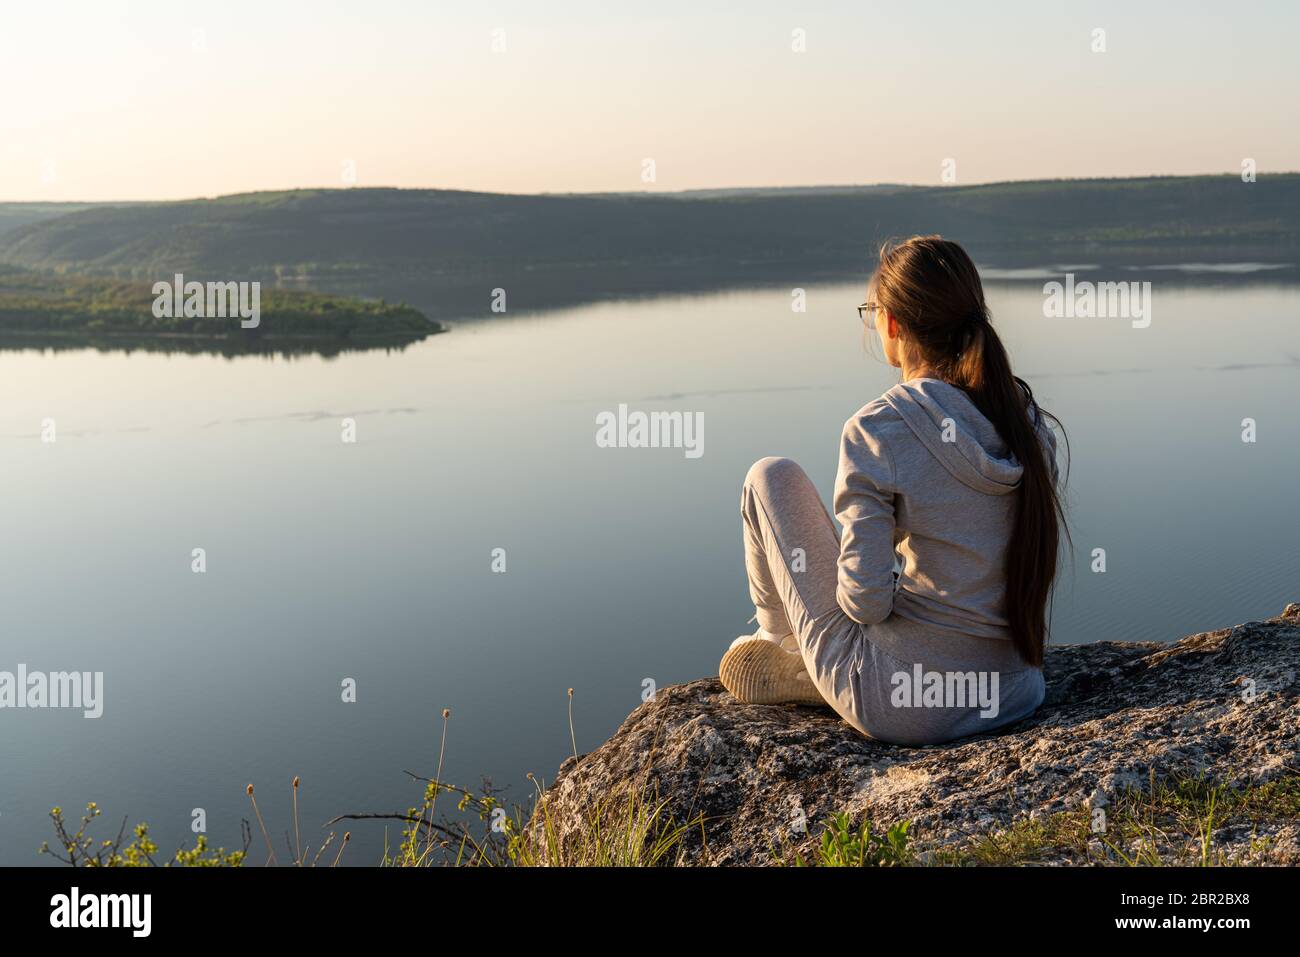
(16, 215)
(454, 245)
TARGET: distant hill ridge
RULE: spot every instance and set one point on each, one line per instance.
(617, 241)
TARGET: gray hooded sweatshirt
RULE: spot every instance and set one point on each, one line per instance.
(925, 476)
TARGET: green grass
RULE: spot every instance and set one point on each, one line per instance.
(1169, 823)
(844, 844)
(636, 832)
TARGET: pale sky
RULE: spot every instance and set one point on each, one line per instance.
(144, 99)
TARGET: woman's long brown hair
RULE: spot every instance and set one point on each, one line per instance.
(933, 291)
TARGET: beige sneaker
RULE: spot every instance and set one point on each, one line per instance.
(760, 669)
(789, 642)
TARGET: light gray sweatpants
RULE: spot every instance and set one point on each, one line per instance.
(897, 681)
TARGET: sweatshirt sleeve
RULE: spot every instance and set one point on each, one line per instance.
(864, 507)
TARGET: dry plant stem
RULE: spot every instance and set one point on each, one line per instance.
(325, 846)
(297, 841)
(260, 823)
(347, 836)
(573, 739)
(437, 784)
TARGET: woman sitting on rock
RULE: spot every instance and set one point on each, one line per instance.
(950, 474)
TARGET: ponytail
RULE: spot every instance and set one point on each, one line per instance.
(984, 373)
(933, 290)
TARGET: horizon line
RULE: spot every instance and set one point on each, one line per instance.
(644, 192)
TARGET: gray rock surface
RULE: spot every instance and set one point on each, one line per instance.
(1222, 704)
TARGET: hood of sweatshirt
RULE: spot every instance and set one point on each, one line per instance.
(956, 433)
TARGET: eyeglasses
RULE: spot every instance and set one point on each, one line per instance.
(867, 311)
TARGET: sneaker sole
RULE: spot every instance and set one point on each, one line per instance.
(761, 672)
